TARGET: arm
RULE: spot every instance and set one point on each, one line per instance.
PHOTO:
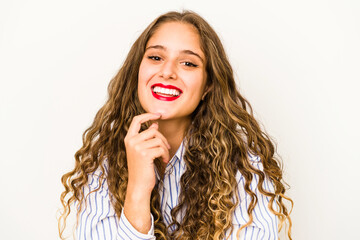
(98, 220)
(264, 225)
(137, 209)
(141, 151)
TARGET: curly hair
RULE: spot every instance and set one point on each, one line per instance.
(222, 133)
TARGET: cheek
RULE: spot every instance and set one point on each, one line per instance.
(197, 82)
(146, 72)
(142, 74)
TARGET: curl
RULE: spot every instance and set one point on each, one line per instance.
(222, 133)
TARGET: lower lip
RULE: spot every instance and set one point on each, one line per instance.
(162, 98)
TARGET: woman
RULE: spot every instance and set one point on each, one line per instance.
(175, 152)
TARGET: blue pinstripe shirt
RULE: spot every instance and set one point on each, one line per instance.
(98, 219)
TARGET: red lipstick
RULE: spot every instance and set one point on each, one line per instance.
(165, 97)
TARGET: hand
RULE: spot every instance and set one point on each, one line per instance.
(141, 151)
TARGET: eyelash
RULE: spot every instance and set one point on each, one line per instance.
(190, 64)
(157, 58)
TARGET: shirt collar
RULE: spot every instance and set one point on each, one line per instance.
(177, 157)
(179, 153)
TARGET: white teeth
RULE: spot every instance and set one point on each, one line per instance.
(167, 91)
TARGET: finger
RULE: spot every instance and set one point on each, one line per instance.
(159, 152)
(151, 133)
(154, 143)
(136, 122)
(154, 125)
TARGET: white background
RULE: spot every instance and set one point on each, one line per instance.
(297, 62)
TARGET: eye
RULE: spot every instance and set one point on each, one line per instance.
(155, 58)
(189, 64)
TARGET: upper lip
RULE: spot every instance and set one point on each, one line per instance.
(165, 86)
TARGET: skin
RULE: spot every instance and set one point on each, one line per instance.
(173, 56)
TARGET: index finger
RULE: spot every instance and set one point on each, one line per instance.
(139, 119)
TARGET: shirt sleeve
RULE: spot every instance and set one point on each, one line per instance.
(265, 223)
(98, 219)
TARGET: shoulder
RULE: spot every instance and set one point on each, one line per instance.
(256, 162)
(253, 180)
(253, 158)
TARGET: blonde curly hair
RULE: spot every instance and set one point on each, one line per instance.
(216, 152)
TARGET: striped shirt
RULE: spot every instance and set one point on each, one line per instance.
(98, 219)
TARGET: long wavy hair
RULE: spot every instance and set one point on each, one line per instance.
(222, 133)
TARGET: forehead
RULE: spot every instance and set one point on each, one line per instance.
(176, 36)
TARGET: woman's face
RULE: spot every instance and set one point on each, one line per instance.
(172, 76)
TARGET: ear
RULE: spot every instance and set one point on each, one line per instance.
(207, 89)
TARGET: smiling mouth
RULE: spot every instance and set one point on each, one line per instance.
(165, 92)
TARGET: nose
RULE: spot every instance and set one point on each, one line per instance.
(168, 70)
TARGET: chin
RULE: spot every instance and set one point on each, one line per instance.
(163, 112)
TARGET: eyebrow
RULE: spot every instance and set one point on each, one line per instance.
(182, 51)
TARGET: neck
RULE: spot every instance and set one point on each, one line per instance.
(174, 131)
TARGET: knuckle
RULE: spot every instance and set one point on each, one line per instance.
(130, 142)
(137, 148)
(162, 151)
(136, 118)
(143, 154)
(158, 141)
